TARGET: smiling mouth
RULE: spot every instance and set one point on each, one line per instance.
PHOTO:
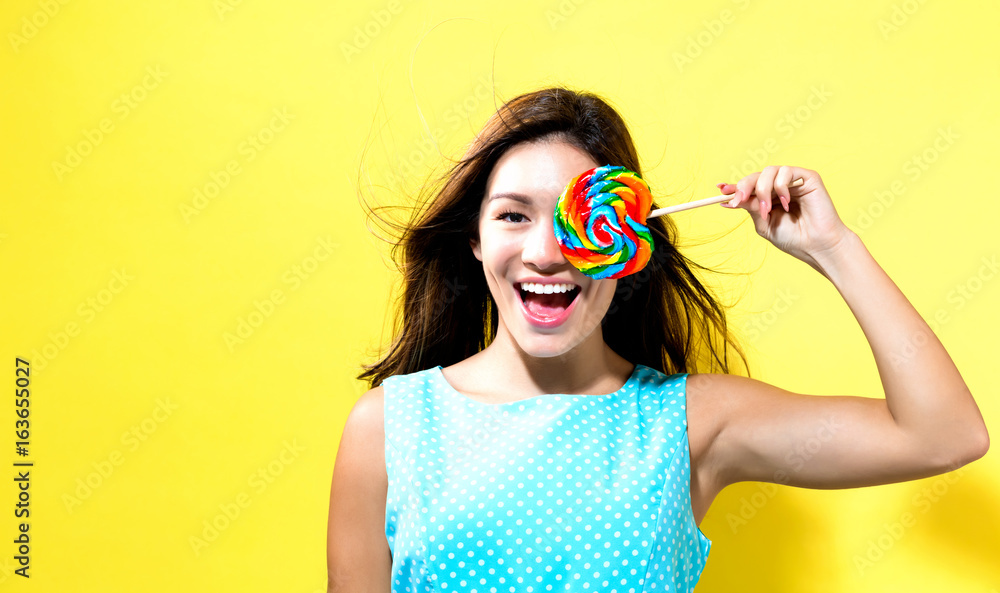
(546, 305)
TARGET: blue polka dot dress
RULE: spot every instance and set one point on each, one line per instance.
(551, 493)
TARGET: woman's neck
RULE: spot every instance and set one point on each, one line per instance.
(505, 371)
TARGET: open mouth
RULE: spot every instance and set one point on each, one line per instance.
(547, 301)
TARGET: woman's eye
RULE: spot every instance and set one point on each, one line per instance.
(511, 216)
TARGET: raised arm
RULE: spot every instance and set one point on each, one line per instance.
(928, 422)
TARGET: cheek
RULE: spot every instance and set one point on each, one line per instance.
(607, 292)
(499, 248)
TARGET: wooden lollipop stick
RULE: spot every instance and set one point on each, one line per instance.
(704, 202)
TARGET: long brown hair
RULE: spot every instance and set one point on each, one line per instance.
(662, 317)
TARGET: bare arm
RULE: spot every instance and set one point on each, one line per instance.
(358, 555)
(927, 424)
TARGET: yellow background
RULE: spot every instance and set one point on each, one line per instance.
(174, 426)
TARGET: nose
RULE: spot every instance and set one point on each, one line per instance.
(541, 249)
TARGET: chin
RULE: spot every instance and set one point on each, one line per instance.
(548, 345)
(545, 352)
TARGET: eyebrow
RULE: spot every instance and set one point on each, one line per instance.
(512, 196)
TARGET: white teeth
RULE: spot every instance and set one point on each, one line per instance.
(546, 288)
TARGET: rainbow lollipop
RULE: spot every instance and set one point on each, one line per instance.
(600, 222)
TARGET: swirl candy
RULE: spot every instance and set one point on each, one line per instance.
(600, 222)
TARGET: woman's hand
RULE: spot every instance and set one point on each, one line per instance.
(806, 226)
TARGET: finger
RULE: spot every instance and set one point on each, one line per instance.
(809, 180)
(726, 188)
(752, 206)
(744, 187)
(781, 181)
(764, 187)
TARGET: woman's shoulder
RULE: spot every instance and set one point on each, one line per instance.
(723, 391)
(367, 415)
(710, 395)
(716, 400)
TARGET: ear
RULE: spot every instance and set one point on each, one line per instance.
(476, 250)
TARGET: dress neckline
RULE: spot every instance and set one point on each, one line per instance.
(439, 375)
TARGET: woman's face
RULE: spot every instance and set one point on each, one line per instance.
(521, 256)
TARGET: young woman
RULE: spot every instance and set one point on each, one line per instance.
(533, 429)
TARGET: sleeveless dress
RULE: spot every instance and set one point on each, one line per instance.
(550, 493)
